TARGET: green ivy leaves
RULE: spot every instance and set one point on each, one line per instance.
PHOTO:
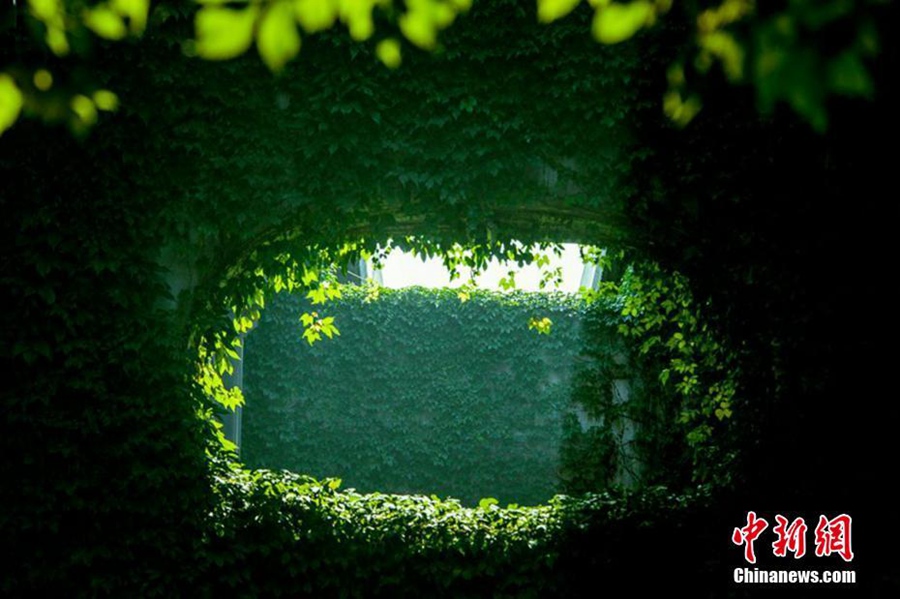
(223, 33)
(10, 102)
(659, 311)
(541, 325)
(615, 22)
(315, 327)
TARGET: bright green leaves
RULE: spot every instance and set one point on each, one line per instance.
(52, 14)
(716, 44)
(680, 109)
(106, 100)
(541, 325)
(42, 80)
(10, 102)
(316, 15)
(104, 21)
(79, 110)
(315, 327)
(85, 109)
(614, 22)
(118, 18)
(373, 292)
(216, 358)
(135, 11)
(466, 291)
(357, 15)
(388, 52)
(658, 310)
(551, 10)
(488, 503)
(278, 40)
(424, 19)
(309, 276)
(726, 49)
(223, 33)
(324, 292)
(508, 282)
(60, 21)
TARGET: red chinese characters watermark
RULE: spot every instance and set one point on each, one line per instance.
(747, 535)
(832, 536)
(790, 537)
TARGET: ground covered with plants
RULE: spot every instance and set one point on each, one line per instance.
(153, 202)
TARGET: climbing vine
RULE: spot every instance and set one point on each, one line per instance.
(779, 52)
(661, 315)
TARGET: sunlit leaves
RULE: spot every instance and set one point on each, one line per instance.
(424, 19)
(46, 10)
(541, 325)
(726, 49)
(615, 22)
(52, 14)
(103, 21)
(551, 10)
(108, 20)
(135, 11)
(508, 282)
(659, 310)
(324, 292)
(42, 80)
(216, 358)
(373, 292)
(680, 111)
(277, 38)
(10, 102)
(717, 17)
(314, 327)
(388, 52)
(316, 15)
(85, 109)
(106, 100)
(309, 276)
(777, 53)
(488, 503)
(223, 33)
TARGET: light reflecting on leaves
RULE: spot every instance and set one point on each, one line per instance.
(10, 102)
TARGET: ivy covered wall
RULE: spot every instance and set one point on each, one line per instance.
(108, 486)
(422, 392)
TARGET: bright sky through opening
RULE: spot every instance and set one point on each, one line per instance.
(401, 269)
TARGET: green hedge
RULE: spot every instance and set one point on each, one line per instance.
(286, 535)
(421, 392)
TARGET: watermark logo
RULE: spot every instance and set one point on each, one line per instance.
(791, 538)
(832, 536)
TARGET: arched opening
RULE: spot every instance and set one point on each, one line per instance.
(608, 417)
(454, 392)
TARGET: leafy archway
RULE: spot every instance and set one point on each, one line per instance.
(114, 250)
